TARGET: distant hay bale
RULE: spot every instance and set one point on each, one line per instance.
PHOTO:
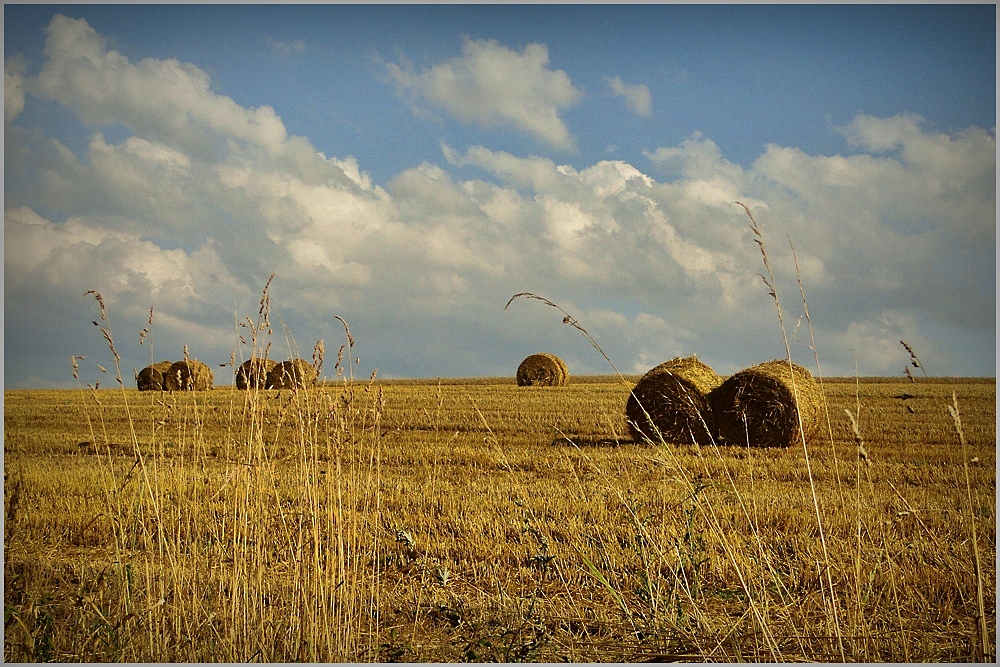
(542, 370)
(562, 365)
(150, 378)
(758, 408)
(190, 375)
(291, 374)
(671, 402)
(252, 373)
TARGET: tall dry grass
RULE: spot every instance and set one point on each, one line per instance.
(191, 528)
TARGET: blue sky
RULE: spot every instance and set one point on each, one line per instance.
(409, 168)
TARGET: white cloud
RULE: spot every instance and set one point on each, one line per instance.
(491, 84)
(82, 253)
(895, 240)
(165, 99)
(875, 342)
(637, 96)
(13, 88)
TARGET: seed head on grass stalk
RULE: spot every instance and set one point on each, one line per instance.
(758, 613)
(982, 648)
(571, 321)
(914, 361)
(769, 283)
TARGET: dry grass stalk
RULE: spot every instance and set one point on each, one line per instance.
(669, 403)
(151, 378)
(914, 361)
(291, 374)
(542, 370)
(252, 373)
(983, 647)
(189, 375)
(761, 406)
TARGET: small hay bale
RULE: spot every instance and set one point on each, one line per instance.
(758, 408)
(150, 378)
(291, 374)
(190, 375)
(542, 370)
(671, 402)
(252, 373)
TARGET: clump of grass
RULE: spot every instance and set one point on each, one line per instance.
(983, 647)
(254, 546)
(769, 282)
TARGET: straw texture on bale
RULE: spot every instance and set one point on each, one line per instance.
(190, 375)
(150, 378)
(542, 370)
(252, 373)
(291, 374)
(671, 402)
(758, 408)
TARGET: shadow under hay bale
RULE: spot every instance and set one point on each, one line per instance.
(252, 373)
(150, 378)
(190, 375)
(542, 370)
(757, 407)
(291, 374)
(671, 402)
(585, 441)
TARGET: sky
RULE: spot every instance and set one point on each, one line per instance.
(407, 169)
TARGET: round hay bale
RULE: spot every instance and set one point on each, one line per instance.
(562, 365)
(190, 375)
(757, 407)
(150, 378)
(291, 374)
(252, 373)
(670, 402)
(542, 370)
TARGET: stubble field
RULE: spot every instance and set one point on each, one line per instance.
(478, 520)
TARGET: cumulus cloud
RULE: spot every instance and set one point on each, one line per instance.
(190, 215)
(13, 88)
(165, 99)
(491, 84)
(636, 96)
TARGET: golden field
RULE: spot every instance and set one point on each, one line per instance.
(475, 520)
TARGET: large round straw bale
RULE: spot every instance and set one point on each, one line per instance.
(291, 374)
(150, 378)
(562, 365)
(761, 406)
(252, 373)
(542, 370)
(670, 403)
(190, 375)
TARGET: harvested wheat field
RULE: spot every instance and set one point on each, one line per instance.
(471, 520)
